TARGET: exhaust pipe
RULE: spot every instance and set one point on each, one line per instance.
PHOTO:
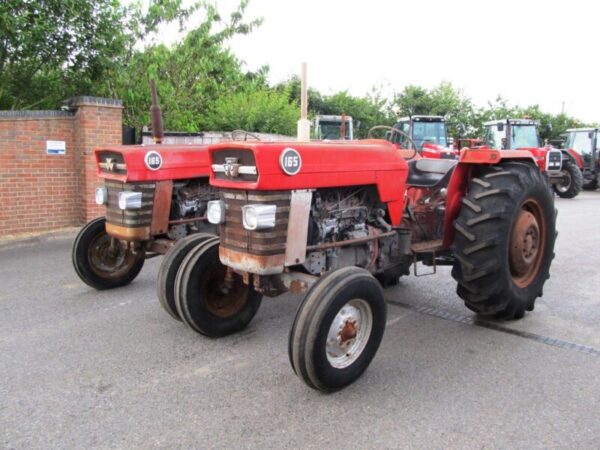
(156, 116)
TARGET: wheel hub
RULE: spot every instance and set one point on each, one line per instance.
(349, 333)
(526, 244)
(107, 256)
(565, 183)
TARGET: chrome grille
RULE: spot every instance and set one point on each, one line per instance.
(133, 218)
(258, 242)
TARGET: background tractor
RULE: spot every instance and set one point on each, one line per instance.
(333, 127)
(584, 145)
(428, 134)
(154, 195)
(339, 220)
(512, 134)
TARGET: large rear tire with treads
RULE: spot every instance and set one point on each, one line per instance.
(504, 242)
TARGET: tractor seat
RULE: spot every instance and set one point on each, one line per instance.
(428, 173)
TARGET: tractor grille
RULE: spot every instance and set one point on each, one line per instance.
(239, 156)
(259, 242)
(133, 218)
(112, 162)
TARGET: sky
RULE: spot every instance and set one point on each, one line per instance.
(528, 52)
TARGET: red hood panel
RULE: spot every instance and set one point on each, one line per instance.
(178, 162)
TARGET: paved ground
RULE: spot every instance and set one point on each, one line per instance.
(87, 369)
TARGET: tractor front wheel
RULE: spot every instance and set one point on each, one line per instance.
(103, 262)
(211, 299)
(167, 273)
(572, 181)
(504, 242)
(337, 329)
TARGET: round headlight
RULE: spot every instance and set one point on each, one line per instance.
(258, 217)
(101, 196)
(215, 212)
(250, 218)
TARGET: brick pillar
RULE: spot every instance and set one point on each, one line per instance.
(98, 123)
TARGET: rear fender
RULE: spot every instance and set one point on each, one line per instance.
(470, 159)
(572, 155)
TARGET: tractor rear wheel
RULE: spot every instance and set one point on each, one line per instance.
(210, 299)
(337, 329)
(504, 243)
(103, 262)
(165, 282)
(572, 181)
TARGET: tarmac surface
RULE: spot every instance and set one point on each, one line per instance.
(86, 369)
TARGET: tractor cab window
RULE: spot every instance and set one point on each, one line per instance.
(581, 142)
(400, 139)
(331, 130)
(493, 137)
(429, 133)
(524, 136)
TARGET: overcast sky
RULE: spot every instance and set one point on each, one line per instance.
(528, 52)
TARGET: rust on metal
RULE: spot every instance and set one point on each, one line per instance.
(348, 332)
(128, 233)
(298, 286)
(427, 246)
(156, 116)
(256, 264)
(159, 246)
(328, 245)
(527, 244)
(161, 207)
(190, 220)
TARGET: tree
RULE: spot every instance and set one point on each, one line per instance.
(264, 110)
(191, 75)
(52, 49)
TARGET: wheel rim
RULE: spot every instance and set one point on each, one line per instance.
(527, 244)
(566, 184)
(349, 333)
(108, 259)
(220, 299)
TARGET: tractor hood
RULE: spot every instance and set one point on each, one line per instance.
(309, 165)
(131, 163)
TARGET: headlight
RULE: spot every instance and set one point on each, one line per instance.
(258, 217)
(215, 211)
(130, 200)
(101, 196)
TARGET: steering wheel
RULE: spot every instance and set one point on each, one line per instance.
(245, 134)
(400, 132)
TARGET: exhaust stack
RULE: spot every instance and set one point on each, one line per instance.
(156, 116)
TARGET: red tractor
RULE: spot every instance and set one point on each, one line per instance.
(511, 134)
(337, 221)
(428, 134)
(584, 145)
(154, 195)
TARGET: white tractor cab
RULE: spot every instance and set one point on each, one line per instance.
(333, 128)
(428, 133)
(585, 142)
(561, 166)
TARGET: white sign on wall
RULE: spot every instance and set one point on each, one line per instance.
(56, 147)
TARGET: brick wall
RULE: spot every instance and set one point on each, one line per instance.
(38, 191)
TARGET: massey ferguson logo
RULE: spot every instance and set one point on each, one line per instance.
(110, 164)
(231, 167)
(290, 161)
(153, 160)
